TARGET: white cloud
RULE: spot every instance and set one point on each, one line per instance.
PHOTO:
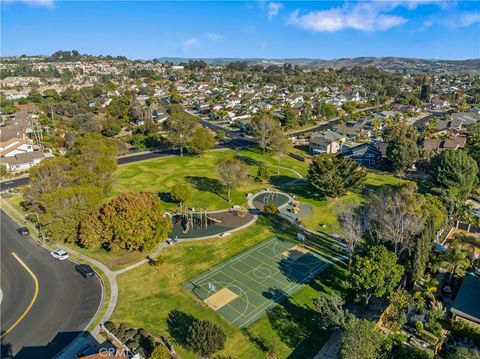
(366, 16)
(453, 20)
(273, 8)
(46, 3)
(190, 43)
(214, 37)
(376, 16)
(468, 18)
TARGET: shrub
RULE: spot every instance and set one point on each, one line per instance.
(205, 337)
(132, 344)
(160, 352)
(129, 333)
(137, 337)
(271, 208)
(114, 331)
(148, 344)
(143, 332)
(109, 325)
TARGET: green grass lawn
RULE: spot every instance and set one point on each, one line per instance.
(148, 296)
(325, 211)
(200, 173)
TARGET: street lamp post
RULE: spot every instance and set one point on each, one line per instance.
(39, 227)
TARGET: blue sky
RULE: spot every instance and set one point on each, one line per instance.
(269, 29)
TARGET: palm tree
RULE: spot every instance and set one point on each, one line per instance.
(455, 257)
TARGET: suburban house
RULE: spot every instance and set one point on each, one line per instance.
(326, 142)
(438, 145)
(14, 146)
(24, 161)
(466, 306)
(365, 154)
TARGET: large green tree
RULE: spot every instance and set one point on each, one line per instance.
(333, 175)
(180, 128)
(181, 193)
(402, 150)
(131, 221)
(473, 142)
(360, 340)
(202, 140)
(331, 311)
(205, 337)
(94, 160)
(455, 171)
(376, 273)
(265, 129)
(64, 209)
(422, 249)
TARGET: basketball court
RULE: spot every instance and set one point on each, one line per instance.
(243, 288)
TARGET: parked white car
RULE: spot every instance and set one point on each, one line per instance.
(59, 254)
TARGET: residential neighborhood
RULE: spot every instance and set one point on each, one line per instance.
(240, 180)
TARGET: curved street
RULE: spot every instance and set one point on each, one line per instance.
(40, 316)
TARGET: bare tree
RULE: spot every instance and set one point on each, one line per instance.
(352, 225)
(233, 172)
(396, 216)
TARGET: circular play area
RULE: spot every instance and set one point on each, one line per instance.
(200, 223)
(266, 198)
(287, 205)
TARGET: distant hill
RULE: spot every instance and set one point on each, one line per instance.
(386, 63)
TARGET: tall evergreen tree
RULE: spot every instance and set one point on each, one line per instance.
(423, 247)
(333, 175)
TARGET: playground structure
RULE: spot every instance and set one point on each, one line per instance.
(198, 220)
(295, 207)
(239, 211)
(199, 223)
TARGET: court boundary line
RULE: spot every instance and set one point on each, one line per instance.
(257, 311)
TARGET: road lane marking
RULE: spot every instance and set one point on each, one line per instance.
(35, 294)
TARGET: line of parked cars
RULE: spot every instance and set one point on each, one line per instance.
(84, 269)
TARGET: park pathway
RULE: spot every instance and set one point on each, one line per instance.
(82, 342)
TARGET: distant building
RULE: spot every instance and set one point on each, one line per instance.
(24, 161)
(436, 145)
(365, 154)
(326, 142)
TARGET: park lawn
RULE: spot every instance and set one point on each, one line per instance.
(291, 329)
(16, 200)
(325, 211)
(200, 173)
(147, 296)
(273, 161)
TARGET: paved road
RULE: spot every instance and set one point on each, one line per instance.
(234, 141)
(64, 306)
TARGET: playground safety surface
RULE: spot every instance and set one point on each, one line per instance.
(228, 221)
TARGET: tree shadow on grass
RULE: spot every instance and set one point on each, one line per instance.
(178, 323)
(280, 180)
(297, 325)
(303, 189)
(207, 184)
(166, 197)
(249, 161)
